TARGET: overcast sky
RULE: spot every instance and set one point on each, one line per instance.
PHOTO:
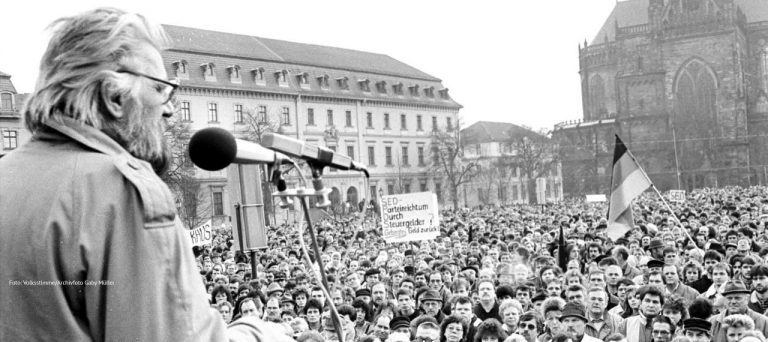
(510, 61)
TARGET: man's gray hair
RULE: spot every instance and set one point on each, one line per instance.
(79, 65)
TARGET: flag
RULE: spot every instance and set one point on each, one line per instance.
(562, 251)
(628, 181)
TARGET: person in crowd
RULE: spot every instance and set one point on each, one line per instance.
(639, 328)
(698, 330)
(452, 329)
(736, 297)
(600, 323)
(574, 322)
(662, 329)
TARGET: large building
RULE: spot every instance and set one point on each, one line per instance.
(11, 125)
(370, 106)
(684, 83)
(496, 148)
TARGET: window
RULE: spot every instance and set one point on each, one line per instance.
(407, 188)
(434, 124)
(332, 148)
(388, 155)
(186, 115)
(444, 94)
(405, 155)
(311, 116)
(365, 85)
(348, 115)
(420, 155)
(258, 75)
(208, 73)
(390, 189)
(323, 81)
(234, 74)
(351, 152)
(329, 118)
(10, 139)
(429, 92)
(448, 124)
(386, 120)
(435, 155)
(414, 90)
(181, 69)
(286, 117)
(381, 87)
(218, 203)
(213, 112)
(6, 101)
(238, 113)
(343, 83)
(374, 192)
(282, 78)
(397, 89)
(303, 79)
(261, 114)
(369, 119)
(418, 123)
(423, 186)
(403, 122)
(371, 155)
(597, 97)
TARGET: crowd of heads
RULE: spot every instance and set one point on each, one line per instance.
(503, 273)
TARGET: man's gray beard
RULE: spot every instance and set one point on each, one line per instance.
(141, 140)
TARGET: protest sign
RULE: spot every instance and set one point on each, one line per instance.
(410, 217)
(202, 235)
(677, 196)
(596, 198)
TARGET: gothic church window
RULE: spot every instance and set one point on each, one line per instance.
(597, 97)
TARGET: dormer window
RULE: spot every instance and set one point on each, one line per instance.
(303, 80)
(381, 87)
(258, 76)
(444, 94)
(414, 90)
(282, 78)
(234, 74)
(397, 89)
(343, 83)
(323, 82)
(208, 72)
(180, 68)
(429, 92)
(364, 85)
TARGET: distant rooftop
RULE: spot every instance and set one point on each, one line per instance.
(635, 12)
(258, 48)
(489, 131)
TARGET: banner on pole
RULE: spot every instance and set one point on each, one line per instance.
(677, 196)
(202, 235)
(596, 198)
(410, 217)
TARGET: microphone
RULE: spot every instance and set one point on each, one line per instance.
(214, 148)
(320, 156)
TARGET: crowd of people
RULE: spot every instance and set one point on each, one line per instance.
(503, 273)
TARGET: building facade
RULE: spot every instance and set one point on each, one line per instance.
(495, 146)
(12, 129)
(371, 107)
(684, 84)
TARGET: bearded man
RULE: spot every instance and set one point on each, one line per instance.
(83, 211)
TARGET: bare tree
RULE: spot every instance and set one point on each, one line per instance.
(447, 161)
(253, 126)
(534, 154)
(193, 207)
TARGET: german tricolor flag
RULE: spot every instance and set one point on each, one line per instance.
(627, 182)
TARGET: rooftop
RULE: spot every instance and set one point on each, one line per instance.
(488, 131)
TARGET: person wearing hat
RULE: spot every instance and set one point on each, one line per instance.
(656, 248)
(400, 324)
(431, 304)
(364, 295)
(737, 303)
(574, 322)
(275, 290)
(698, 330)
(371, 277)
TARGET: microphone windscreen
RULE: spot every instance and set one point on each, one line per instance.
(212, 148)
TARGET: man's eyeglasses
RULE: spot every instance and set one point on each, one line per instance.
(528, 326)
(173, 84)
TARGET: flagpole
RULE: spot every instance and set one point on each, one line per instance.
(673, 214)
(663, 200)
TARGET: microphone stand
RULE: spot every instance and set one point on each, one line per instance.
(303, 195)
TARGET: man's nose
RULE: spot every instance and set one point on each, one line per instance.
(168, 109)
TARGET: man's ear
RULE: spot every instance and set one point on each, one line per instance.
(111, 99)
